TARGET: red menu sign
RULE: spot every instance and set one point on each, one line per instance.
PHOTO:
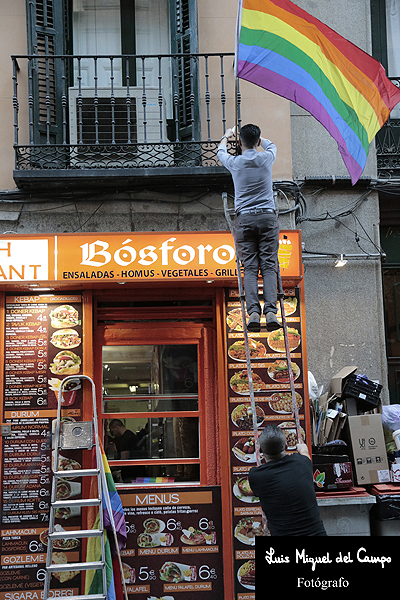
(174, 546)
(43, 344)
(273, 404)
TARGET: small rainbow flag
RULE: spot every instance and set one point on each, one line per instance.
(283, 49)
(154, 480)
(93, 580)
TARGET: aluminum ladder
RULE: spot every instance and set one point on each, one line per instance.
(228, 215)
(77, 435)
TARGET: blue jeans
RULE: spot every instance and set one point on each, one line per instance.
(257, 240)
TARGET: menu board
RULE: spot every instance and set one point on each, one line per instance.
(174, 545)
(273, 401)
(43, 345)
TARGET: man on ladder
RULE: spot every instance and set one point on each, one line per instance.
(256, 223)
(256, 235)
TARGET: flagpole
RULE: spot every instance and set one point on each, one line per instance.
(114, 530)
(238, 25)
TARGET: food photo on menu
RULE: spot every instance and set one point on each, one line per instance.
(64, 316)
(153, 525)
(153, 540)
(242, 416)
(243, 491)
(154, 535)
(234, 317)
(290, 431)
(247, 575)
(65, 338)
(276, 340)
(59, 544)
(68, 464)
(129, 573)
(248, 528)
(245, 449)
(281, 402)
(237, 350)
(69, 390)
(66, 363)
(289, 306)
(196, 537)
(279, 371)
(177, 572)
(67, 489)
(60, 558)
(239, 383)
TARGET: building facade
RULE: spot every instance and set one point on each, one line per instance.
(60, 110)
(111, 115)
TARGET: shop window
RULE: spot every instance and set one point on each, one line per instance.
(151, 412)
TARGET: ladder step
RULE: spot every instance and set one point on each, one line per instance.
(77, 473)
(79, 533)
(82, 502)
(86, 566)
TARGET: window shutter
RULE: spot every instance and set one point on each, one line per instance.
(184, 40)
(45, 24)
(378, 31)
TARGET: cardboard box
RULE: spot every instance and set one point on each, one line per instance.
(368, 449)
(338, 380)
(334, 423)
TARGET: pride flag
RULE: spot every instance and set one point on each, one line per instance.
(94, 580)
(283, 49)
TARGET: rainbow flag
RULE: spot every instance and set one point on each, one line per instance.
(285, 50)
(144, 480)
(93, 580)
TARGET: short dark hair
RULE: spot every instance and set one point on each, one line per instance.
(116, 422)
(250, 134)
(272, 440)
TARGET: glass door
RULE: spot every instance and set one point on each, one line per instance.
(97, 31)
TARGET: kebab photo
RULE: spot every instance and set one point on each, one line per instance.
(65, 338)
(64, 316)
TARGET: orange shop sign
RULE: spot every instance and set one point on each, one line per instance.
(132, 256)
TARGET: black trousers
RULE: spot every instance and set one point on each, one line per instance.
(257, 240)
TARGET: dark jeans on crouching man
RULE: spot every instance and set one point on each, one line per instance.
(257, 239)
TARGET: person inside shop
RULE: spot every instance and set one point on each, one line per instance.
(124, 445)
(285, 487)
(256, 221)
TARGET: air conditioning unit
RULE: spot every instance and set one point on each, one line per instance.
(124, 128)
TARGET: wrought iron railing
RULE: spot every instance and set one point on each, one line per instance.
(387, 143)
(121, 111)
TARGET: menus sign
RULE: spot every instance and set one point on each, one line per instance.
(174, 546)
(43, 344)
(273, 404)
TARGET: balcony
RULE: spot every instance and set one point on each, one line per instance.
(121, 121)
(387, 142)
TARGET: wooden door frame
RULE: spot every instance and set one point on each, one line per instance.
(177, 333)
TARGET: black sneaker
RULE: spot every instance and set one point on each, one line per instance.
(272, 322)
(253, 324)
